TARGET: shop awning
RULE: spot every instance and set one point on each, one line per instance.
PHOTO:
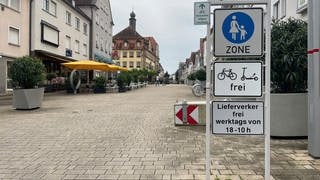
(55, 57)
(102, 58)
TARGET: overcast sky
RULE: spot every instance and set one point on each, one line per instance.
(170, 22)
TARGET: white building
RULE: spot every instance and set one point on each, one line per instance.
(283, 9)
(14, 35)
(59, 32)
(99, 11)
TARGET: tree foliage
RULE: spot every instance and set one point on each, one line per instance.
(26, 72)
(198, 75)
(289, 56)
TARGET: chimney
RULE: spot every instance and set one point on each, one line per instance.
(73, 3)
(132, 20)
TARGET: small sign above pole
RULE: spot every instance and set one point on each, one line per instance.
(201, 13)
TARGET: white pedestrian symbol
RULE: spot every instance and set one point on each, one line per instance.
(243, 33)
(235, 28)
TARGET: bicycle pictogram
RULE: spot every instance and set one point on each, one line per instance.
(227, 73)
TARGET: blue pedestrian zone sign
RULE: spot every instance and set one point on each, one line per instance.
(238, 32)
(238, 27)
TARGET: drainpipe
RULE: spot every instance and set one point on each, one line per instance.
(30, 33)
(91, 36)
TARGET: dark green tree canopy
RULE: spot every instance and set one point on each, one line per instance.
(26, 72)
(198, 75)
(289, 56)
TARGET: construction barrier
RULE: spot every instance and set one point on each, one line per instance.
(190, 113)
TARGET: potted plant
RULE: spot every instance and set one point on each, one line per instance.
(50, 77)
(122, 82)
(100, 85)
(289, 78)
(27, 73)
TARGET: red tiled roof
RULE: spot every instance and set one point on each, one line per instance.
(128, 33)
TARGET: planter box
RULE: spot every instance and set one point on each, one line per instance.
(289, 115)
(27, 98)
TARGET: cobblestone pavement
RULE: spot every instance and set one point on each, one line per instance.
(132, 136)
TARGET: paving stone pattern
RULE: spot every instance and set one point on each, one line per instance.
(132, 136)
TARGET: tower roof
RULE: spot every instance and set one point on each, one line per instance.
(128, 33)
(132, 14)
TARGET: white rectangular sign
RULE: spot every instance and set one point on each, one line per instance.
(238, 118)
(201, 13)
(237, 79)
(238, 32)
(223, 2)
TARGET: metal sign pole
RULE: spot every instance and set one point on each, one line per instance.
(267, 80)
(202, 17)
(267, 91)
(208, 89)
(313, 78)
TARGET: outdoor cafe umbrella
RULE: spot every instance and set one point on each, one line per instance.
(117, 68)
(93, 65)
(88, 65)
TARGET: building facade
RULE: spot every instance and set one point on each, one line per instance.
(99, 11)
(133, 51)
(59, 33)
(14, 35)
(284, 9)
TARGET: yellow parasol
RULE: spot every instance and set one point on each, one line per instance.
(117, 68)
(93, 65)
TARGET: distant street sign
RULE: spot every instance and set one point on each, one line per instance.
(238, 118)
(238, 32)
(201, 13)
(236, 79)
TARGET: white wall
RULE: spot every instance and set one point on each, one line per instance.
(59, 21)
(102, 29)
(290, 10)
